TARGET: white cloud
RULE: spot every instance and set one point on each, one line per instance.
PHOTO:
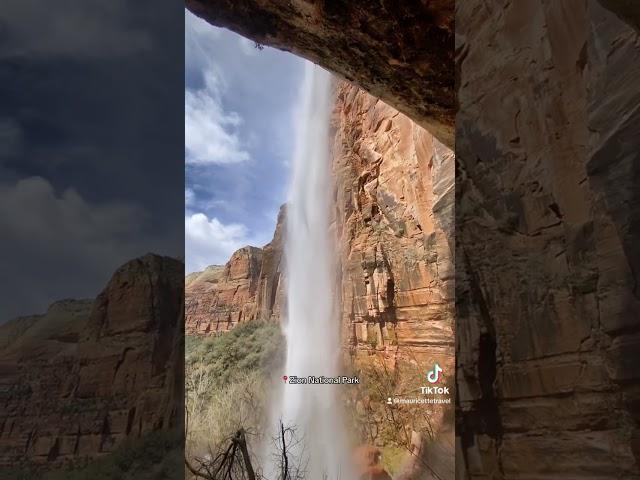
(211, 133)
(199, 41)
(196, 25)
(225, 73)
(210, 242)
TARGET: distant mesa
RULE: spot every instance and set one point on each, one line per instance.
(88, 374)
(248, 287)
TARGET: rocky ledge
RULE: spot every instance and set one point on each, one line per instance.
(401, 52)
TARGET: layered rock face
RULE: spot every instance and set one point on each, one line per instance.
(393, 216)
(217, 303)
(80, 379)
(393, 222)
(393, 219)
(401, 52)
(547, 296)
(247, 288)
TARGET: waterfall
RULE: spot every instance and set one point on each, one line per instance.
(312, 328)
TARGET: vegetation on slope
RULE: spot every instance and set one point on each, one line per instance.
(248, 348)
(227, 381)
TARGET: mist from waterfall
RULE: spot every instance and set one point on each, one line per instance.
(313, 329)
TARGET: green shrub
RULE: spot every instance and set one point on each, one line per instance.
(251, 346)
(226, 380)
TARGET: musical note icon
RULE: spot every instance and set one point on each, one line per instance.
(434, 375)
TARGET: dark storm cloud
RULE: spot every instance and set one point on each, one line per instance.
(92, 145)
(73, 28)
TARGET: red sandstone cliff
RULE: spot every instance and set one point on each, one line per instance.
(394, 186)
(393, 219)
(393, 216)
(546, 212)
(81, 378)
(247, 288)
(217, 300)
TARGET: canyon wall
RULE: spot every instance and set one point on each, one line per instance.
(393, 218)
(247, 288)
(80, 379)
(547, 202)
(394, 213)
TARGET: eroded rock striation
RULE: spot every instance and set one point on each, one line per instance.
(548, 305)
(392, 219)
(393, 216)
(401, 52)
(88, 374)
(221, 297)
(393, 223)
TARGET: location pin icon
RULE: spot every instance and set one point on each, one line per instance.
(284, 377)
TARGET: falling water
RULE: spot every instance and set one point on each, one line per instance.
(312, 329)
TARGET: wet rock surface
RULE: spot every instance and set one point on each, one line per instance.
(392, 220)
(546, 227)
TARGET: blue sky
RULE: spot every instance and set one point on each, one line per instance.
(239, 115)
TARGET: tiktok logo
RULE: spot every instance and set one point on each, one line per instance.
(434, 375)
